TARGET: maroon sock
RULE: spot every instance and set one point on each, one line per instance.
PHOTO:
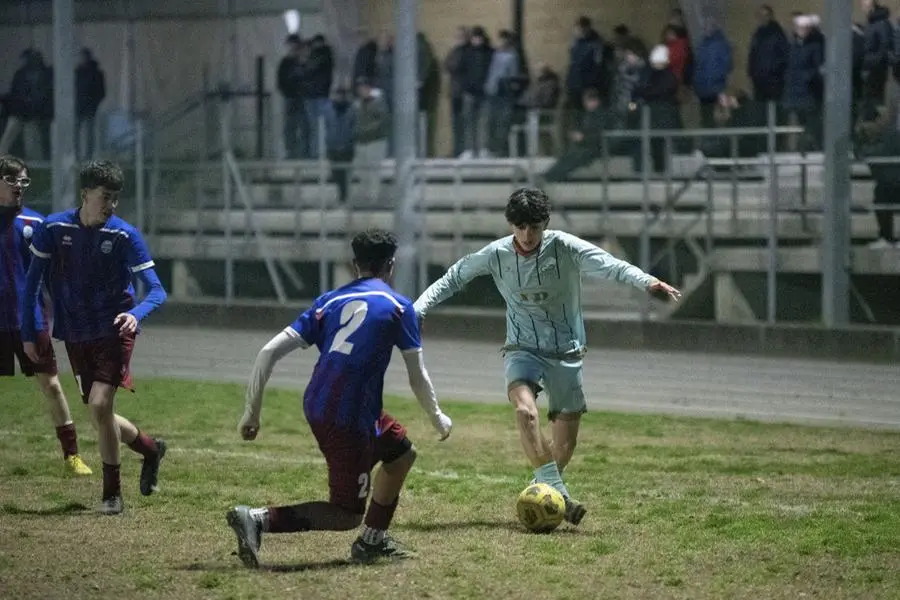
(144, 445)
(379, 516)
(112, 485)
(288, 519)
(67, 439)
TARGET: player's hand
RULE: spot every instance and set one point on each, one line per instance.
(126, 323)
(661, 287)
(31, 352)
(249, 427)
(443, 424)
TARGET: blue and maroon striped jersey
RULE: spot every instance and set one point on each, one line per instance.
(91, 273)
(16, 233)
(355, 328)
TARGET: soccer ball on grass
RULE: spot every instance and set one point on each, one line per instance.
(540, 508)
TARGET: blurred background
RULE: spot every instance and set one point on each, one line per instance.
(747, 153)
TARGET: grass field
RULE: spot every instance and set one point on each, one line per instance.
(679, 508)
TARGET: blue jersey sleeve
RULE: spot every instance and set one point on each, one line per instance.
(41, 243)
(308, 325)
(409, 336)
(138, 253)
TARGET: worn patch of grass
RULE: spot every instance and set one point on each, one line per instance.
(679, 508)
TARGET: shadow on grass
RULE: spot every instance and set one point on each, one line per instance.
(53, 511)
(327, 565)
(481, 524)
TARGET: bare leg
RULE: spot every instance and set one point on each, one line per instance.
(565, 438)
(55, 399)
(536, 447)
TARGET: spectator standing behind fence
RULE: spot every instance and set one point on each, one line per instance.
(317, 75)
(587, 139)
(679, 48)
(878, 38)
(880, 138)
(712, 68)
(453, 66)
(631, 70)
(476, 66)
(501, 94)
(373, 124)
(585, 71)
(768, 56)
(340, 137)
(290, 75)
(90, 90)
(659, 92)
(30, 106)
(543, 96)
(804, 82)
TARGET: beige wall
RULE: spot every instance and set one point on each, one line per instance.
(548, 26)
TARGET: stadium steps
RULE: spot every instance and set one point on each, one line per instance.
(489, 224)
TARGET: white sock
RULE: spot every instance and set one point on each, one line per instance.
(371, 536)
(262, 516)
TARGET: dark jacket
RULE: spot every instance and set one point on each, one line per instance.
(888, 145)
(593, 124)
(803, 82)
(712, 66)
(767, 60)
(453, 64)
(289, 77)
(317, 73)
(90, 88)
(31, 92)
(877, 40)
(364, 61)
(659, 91)
(544, 92)
(585, 64)
(476, 64)
(340, 127)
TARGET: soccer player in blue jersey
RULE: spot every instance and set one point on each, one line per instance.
(92, 256)
(17, 225)
(538, 272)
(355, 329)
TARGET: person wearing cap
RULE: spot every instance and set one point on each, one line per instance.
(804, 85)
(659, 91)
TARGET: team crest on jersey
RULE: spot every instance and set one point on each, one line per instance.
(536, 296)
(27, 232)
(106, 247)
(67, 240)
(547, 264)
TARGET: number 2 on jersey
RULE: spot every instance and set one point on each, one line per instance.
(352, 316)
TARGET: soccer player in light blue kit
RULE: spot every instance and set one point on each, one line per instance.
(538, 272)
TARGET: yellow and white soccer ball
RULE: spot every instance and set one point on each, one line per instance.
(540, 508)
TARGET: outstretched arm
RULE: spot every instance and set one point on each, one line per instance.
(455, 279)
(596, 262)
(277, 348)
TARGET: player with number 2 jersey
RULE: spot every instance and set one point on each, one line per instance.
(355, 329)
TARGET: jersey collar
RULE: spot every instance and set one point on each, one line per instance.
(521, 251)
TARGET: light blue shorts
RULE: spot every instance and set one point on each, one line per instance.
(562, 380)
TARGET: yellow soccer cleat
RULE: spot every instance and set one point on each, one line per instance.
(76, 466)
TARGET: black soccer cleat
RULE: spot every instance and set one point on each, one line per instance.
(150, 469)
(574, 511)
(388, 549)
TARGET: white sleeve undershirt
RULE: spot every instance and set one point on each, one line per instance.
(277, 348)
(420, 382)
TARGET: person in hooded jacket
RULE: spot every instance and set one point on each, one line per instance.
(90, 89)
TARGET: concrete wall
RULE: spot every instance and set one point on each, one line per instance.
(548, 26)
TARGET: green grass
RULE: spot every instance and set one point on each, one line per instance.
(679, 508)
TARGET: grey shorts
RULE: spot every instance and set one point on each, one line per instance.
(562, 380)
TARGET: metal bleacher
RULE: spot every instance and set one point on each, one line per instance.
(292, 215)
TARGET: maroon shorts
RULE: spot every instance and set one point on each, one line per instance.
(11, 348)
(350, 457)
(107, 360)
